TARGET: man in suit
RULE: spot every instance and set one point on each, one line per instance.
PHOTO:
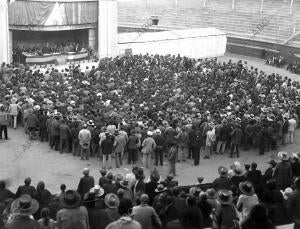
(26, 189)
(293, 204)
(64, 135)
(86, 183)
(256, 178)
(146, 215)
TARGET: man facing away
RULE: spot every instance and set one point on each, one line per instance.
(84, 138)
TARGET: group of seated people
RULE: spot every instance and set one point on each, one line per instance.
(48, 48)
(276, 60)
(238, 198)
(294, 67)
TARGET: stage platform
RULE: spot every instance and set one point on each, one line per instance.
(56, 58)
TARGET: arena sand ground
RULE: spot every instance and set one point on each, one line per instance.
(20, 157)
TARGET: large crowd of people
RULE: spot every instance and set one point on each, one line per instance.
(238, 198)
(160, 107)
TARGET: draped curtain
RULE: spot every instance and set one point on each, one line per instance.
(30, 13)
(37, 13)
(81, 12)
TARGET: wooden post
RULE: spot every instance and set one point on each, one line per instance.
(261, 6)
(176, 2)
(233, 3)
(204, 3)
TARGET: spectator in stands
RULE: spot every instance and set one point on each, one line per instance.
(192, 218)
(269, 172)
(43, 196)
(295, 163)
(247, 200)
(98, 218)
(109, 186)
(223, 182)
(258, 218)
(139, 186)
(293, 204)
(23, 208)
(125, 221)
(26, 189)
(206, 210)
(283, 173)
(4, 192)
(226, 215)
(86, 182)
(72, 216)
(145, 214)
(102, 179)
(112, 202)
(151, 186)
(45, 221)
(255, 177)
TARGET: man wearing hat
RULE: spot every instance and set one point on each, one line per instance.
(160, 146)
(23, 208)
(72, 216)
(269, 172)
(226, 215)
(247, 200)
(14, 109)
(112, 202)
(119, 146)
(84, 138)
(107, 148)
(222, 182)
(132, 147)
(149, 146)
(86, 183)
(145, 214)
(98, 218)
(283, 173)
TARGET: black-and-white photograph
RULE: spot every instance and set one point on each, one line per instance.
(149, 114)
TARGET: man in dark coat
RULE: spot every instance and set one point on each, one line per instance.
(223, 182)
(269, 172)
(98, 218)
(43, 126)
(195, 144)
(86, 183)
(64, 135)
(107, 149)
(192, 218)
(26, 189)
(255, 177)
(236, 138)
(108, 186)
(54, 131)
(151, 186)
(293, 204)
(5, 193)
(283, 173)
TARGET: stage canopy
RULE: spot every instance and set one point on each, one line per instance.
(195, 43)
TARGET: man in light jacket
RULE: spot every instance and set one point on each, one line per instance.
(149, 146)
(84, 138)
